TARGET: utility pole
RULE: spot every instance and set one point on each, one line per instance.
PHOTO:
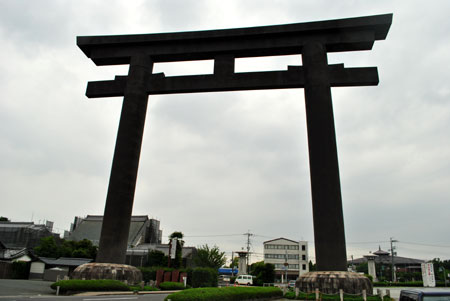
(232, 264)
(393, 253)
(248, 249)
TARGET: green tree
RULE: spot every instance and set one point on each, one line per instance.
(50, 247)
(178, 261)
(156, 258)
(440, 268)
(47, 248)
(84, 249)
(264, 272)
(362, 268)
(3, 219)
(312, 266)
(235, 262)
(209, 257)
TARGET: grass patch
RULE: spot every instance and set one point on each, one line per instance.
(76, 285)
(225, 294)
(171, 286)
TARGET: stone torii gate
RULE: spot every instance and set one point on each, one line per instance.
(312, 40)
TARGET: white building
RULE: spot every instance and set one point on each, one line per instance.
(287, 255)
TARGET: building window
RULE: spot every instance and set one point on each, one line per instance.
(281, 256)
(283, 247)
(304, 267)
(303, 257)
(280, 266)
(303, 247)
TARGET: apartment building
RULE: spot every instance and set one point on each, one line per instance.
(289, 257)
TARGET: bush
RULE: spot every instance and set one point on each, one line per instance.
(171, 286)
(76, 285)
(225, 294)
(204, 277)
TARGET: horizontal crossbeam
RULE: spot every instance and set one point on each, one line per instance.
(292, 78)
(336, 35)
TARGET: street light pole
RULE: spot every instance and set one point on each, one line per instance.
(394, 277)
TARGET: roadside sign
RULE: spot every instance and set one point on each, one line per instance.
(428, 275)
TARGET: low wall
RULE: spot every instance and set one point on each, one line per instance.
(6, 270)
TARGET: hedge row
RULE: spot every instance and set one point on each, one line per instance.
(225, 294)
(171, 286)
(139, 288)
(407, 284)
(76, 285)
(204, 277)
(312, 296)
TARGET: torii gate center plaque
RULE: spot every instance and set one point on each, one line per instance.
(312, 40)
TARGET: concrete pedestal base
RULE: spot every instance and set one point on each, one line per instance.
(114, 271)
(331, 282)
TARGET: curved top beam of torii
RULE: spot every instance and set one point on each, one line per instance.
(336, 35)
(227, 44)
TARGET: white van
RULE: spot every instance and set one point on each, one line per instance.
(244, 280)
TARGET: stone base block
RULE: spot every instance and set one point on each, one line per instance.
(122, 272)
(331, 282)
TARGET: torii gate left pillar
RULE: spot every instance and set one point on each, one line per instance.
(124, 170)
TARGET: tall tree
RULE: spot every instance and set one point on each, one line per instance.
(178, 261)
(209, 257)
(156, 258)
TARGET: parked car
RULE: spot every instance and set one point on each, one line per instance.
(424, 295)
(244, 280)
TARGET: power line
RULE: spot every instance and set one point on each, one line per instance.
(212, 235)
(422, 244)
(367, 242)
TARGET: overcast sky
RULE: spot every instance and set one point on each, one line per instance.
(217, 165)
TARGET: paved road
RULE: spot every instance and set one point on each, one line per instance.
(13, 287)
(21, 290)
(154, 297)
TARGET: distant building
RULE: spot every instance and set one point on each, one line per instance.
(287, 255)
(142, 230)
(383, 261)
(18, 254)
(18, 235)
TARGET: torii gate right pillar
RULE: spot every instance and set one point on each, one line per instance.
(329, 236)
